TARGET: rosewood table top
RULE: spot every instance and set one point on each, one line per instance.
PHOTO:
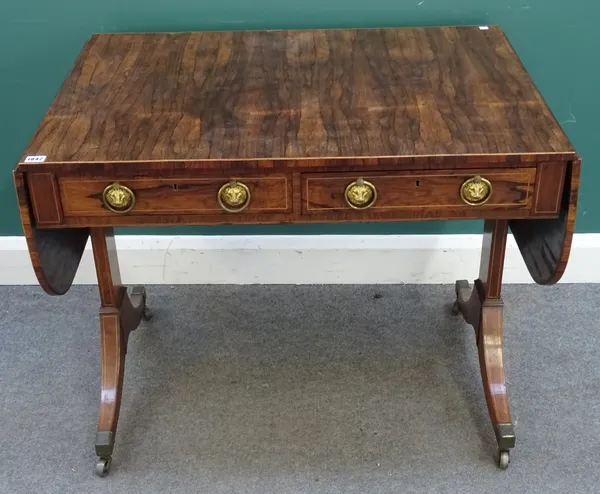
(297, 95)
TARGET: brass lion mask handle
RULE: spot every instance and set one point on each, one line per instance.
(360, 194)
(234, 197)
(118, 198)
(476, 191)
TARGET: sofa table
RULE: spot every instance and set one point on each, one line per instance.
(305, 126)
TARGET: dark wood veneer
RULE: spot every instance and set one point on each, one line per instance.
(270, 194)
(546, 244)
(440, 91)
(55, 254)
(420, 191)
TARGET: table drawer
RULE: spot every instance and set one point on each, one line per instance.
(389, 191)
(153, 196)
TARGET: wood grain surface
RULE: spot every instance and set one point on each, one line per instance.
(442, 91)
(55, 254)
(419, 190)
(119, 315)
(302, 198)
(546, 244)
(269, 194)
(482, 307)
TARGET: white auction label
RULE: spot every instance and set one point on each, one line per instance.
(35, 159)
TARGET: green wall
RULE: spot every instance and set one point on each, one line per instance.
(558, 41)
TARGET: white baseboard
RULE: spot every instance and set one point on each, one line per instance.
(306, 259)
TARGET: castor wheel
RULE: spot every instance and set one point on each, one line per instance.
(455, 308)
(103, 466)
(503, 459)
(147, 314)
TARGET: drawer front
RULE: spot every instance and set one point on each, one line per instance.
(87, 197)
(390, 191)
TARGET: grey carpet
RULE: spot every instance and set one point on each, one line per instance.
(300, 389)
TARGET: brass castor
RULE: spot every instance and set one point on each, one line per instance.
(503, 459)
(147, 314)
(103, 466)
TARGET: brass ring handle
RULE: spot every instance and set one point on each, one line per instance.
(476, 191)
(234, 197)
(360, 194)
(118, 198)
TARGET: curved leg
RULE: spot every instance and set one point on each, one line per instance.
(482, 307)
(113, 363)
(120, 314)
